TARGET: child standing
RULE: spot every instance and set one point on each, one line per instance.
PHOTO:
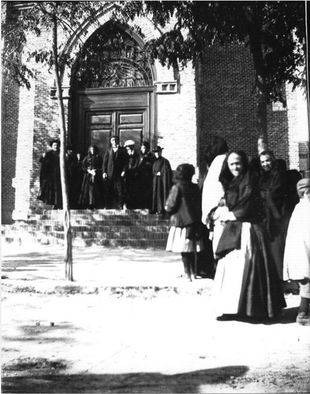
(297, 250)
(184, 206)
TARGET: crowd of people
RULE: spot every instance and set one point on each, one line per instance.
(245, 223)
(122, 177)
(254, 212)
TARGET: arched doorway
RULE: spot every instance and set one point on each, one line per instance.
(112, 90)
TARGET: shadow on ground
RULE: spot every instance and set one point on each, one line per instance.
(119, 383)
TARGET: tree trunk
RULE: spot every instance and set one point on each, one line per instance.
(261, 114)
(65, 203)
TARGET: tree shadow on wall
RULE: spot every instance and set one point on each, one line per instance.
(140, 382)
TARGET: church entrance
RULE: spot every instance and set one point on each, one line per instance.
(112, 91)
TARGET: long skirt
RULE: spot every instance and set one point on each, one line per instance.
(178, 243)
(246, 280)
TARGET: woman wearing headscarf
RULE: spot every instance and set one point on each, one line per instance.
(246, 282)
(184, 206)
(273, 192)
(297, 250)
(212, 191)
(90, 196)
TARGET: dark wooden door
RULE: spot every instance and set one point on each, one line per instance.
(100, 114)
(127, 124)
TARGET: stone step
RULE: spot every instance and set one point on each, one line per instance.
(98, 228)
(101, 227)
(57, 239)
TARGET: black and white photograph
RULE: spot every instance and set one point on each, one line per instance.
(155, 197)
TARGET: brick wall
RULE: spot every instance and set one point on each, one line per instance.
(176, 121)
(215, 98)
(226, 104)
(45, 128)
(297, 122)
(9, 127)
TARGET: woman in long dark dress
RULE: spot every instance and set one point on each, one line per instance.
(273, 191)
(246, 282)
(144, 169)
(90, 196)
(50, 177)
(131, 176)
(162, 181)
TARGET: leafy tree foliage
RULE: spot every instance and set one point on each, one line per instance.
(274, 32)
(34, 18)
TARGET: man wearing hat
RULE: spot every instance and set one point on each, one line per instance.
(162, 181)
(297, 250)
(114, 162)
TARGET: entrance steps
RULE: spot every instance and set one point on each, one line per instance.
(109, 228)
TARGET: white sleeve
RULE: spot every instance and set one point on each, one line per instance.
(212, 190)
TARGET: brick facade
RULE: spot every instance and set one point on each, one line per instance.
(226, 104)
(215, 98)
(9, 129)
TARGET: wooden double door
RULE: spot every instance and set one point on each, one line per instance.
(126, 124)
(100, 114)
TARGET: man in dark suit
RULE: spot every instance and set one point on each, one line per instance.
(114, 163)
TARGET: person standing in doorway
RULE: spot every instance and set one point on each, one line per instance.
(162, 181)
(146, 160)
(131, 176)
(90, 192)
(114, 163)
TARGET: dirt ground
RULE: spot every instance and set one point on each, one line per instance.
(130, 324)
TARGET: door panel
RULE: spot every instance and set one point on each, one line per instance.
(100, 138)
(135, 118)
(101, 114)
(135, 134)
(129, 124)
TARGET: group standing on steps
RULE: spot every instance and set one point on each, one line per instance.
(122, 177)
(237, 224)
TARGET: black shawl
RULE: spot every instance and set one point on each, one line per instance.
(242, 199)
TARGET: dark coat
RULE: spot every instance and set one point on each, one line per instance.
(273, 191)
(273, 186)
(145, 181)
(74, 179)
(50, 179)
(184, 204)
(114, 163)
(131, 182)
(242, 198)
(161, 183)
(91, 187)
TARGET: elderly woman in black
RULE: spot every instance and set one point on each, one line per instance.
(184, 206)
(90, 196)
(273, 191)
(246, 282)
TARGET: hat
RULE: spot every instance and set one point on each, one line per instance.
(302, 185)
(146, 144)
(158, 149)
(129, 143)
